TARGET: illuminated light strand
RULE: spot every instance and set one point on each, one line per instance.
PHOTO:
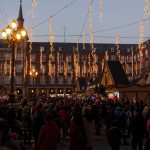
(132, 54)
(83, 38)
(126, 65)
(136, 68)
(58, 66)
(51, 38)
(101, 9)
(66, 67)
(147, 9)
(30, 47)
(90, 26)
(140, 43)
(89, 65)
(76, 64)
(41, 56)
(50, 71)
(31, 12)
(117, 47)
(71, 74)
(103, 64)
(106, 55)
(14, 71)
(5, 67)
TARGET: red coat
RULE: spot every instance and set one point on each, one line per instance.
(49, 136)
(74, 134)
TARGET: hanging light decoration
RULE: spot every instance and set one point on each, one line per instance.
(140, 44)
(5, 67)
(26, 68)
(90, 26)
(132, 54)
(101, 9)
(31, 12)
(58, 66)
(50, 71)
(117, 47)
(83, 37)
(41, 57)
(51, 38)
(106, 55)
(30, 47)
(103, 64)
(147, 9)
(66, 67)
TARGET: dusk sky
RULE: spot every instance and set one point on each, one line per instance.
(69, 16)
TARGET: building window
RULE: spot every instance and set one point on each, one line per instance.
(69, 68)
(52, 79)
(69, 80)
(83, 58)
(42, 80)
(18, 79)
(112, 49)
(33, 57)
(18, 68)
(7, 56)
(61, 69)
(61, 57)
(18, 56)
(60, 80)
(69, 57)
(113, 57)
(43, 57)
(7, 79)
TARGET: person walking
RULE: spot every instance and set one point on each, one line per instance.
(137, 130)
(77, 133)
(49, 135)
(38, 122)
(114, 136)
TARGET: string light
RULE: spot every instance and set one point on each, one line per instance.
(58, 66)
(132, 53)
(51, 38)
(117, 47)
(90, 26)
(31, 12)
(5, 67)
(30, 47)
(106, 55)
(83, 37)
(50, 72)
(146, 9)
(101, 9)
(66, 67)
(140, 44)
(41, 56)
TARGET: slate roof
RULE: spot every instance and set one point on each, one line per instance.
(118, 74)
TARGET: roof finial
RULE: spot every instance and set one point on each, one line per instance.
(20, 1)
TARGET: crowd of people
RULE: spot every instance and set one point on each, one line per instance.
(47, 121)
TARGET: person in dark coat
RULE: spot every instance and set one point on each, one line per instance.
(38, 122)
(6, 139)
(114, 136)
(49, 135)
(137, 130)
(77, 133)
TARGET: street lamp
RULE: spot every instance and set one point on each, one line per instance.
(33, 74)
(13, 36)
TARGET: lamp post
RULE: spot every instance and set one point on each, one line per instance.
(33, 74)
(12, 36)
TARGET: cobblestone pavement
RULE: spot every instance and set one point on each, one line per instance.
(100, 143)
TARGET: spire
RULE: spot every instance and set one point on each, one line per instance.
(20, 17)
